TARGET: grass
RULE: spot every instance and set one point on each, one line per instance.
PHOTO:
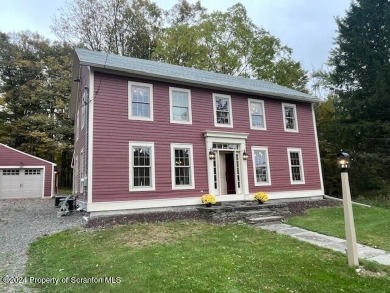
(372, 225)
(193, 256)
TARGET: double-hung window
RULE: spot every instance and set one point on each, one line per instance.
(261, 170)
(141, 166)
(180, 105)
(296, 166)
(140, 101)
(182, 166)
(290, 117)
(222, 110)
(256, 114)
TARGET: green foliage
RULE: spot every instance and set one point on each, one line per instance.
(228, 42)
(360, 122)
(35, 82)
(371, 224)
(194, 257)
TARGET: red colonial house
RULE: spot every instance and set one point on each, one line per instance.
(150, 134)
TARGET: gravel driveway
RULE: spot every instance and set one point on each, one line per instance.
(21, 222)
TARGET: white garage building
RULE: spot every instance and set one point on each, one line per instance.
(24, 176)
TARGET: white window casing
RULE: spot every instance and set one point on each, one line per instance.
(180, 105)
(140, 101)
(223, 113)
(261, 166)
(257, 119)
(182, 168)
(290, 117)
(77, 125)
(141, 166)
(295, 163)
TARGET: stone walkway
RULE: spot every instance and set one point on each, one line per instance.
(337, 244)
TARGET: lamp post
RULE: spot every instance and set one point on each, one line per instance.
(352, 253)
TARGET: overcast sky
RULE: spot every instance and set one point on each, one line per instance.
(306, 26)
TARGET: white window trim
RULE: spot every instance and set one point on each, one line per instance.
(261, 148)
(171, 89)
(230, 111)
(130, 104)
(133, 188)
(77, 125)
(76, 176)
(83, 105)
(298, 150)
(192, 177)
(295, 115)
(250, 114)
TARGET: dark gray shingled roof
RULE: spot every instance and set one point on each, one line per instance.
(169, 72)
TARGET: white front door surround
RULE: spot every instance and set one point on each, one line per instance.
(237, 141)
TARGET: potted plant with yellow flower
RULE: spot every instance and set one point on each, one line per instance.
(208, 199)
(261, 197)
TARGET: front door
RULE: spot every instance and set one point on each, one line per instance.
(230, 181)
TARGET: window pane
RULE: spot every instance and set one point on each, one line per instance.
(180, 114)
(296, 172)
(289, 114)
(140, 94)
(180, 99)
(182, 167)
(222, 104)
(261, 166)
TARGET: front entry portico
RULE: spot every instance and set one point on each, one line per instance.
(227, 172)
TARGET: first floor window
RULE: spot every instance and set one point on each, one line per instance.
(296, 166)
(141, 166)
(182, 166)
(261, 166)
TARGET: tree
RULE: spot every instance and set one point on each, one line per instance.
(122, 27)
(227, 42)
(361, 73)
(35, 85)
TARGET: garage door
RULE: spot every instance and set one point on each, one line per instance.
(21, 183)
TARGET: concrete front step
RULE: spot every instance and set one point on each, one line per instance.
(258, 212)
(269, 219)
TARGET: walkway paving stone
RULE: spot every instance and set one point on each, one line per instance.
(334, 243)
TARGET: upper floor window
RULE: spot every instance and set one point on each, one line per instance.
(180, 104)
(256, 114)
(182, 166)
(261, 166)
(140, 101)
(296, 166)
(290, 117)
(77, 125)
(141, 166)
(222, 110)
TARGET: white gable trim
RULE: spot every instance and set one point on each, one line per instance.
(4, 145)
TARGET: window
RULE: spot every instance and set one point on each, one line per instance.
(140, 101)
(10, 172)
(222, 110)
(261, 170)
(296, 166)
(290, 117)
(32, 172)
(81, 172)
(84, 102)
(141, 166)
(182, 166)
(77, 125)
(180, 104)
(256, 114)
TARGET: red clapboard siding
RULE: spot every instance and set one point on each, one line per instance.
(12, 157)
(113, 131)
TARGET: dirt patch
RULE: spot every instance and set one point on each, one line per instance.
(367, 273)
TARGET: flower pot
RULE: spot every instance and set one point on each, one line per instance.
(208, 205)
(260, 202)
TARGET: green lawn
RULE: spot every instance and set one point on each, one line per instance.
(372, 224)
(193, 256)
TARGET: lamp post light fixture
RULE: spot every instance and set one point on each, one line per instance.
(211, 154)
(352, 252)
(244, 155)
